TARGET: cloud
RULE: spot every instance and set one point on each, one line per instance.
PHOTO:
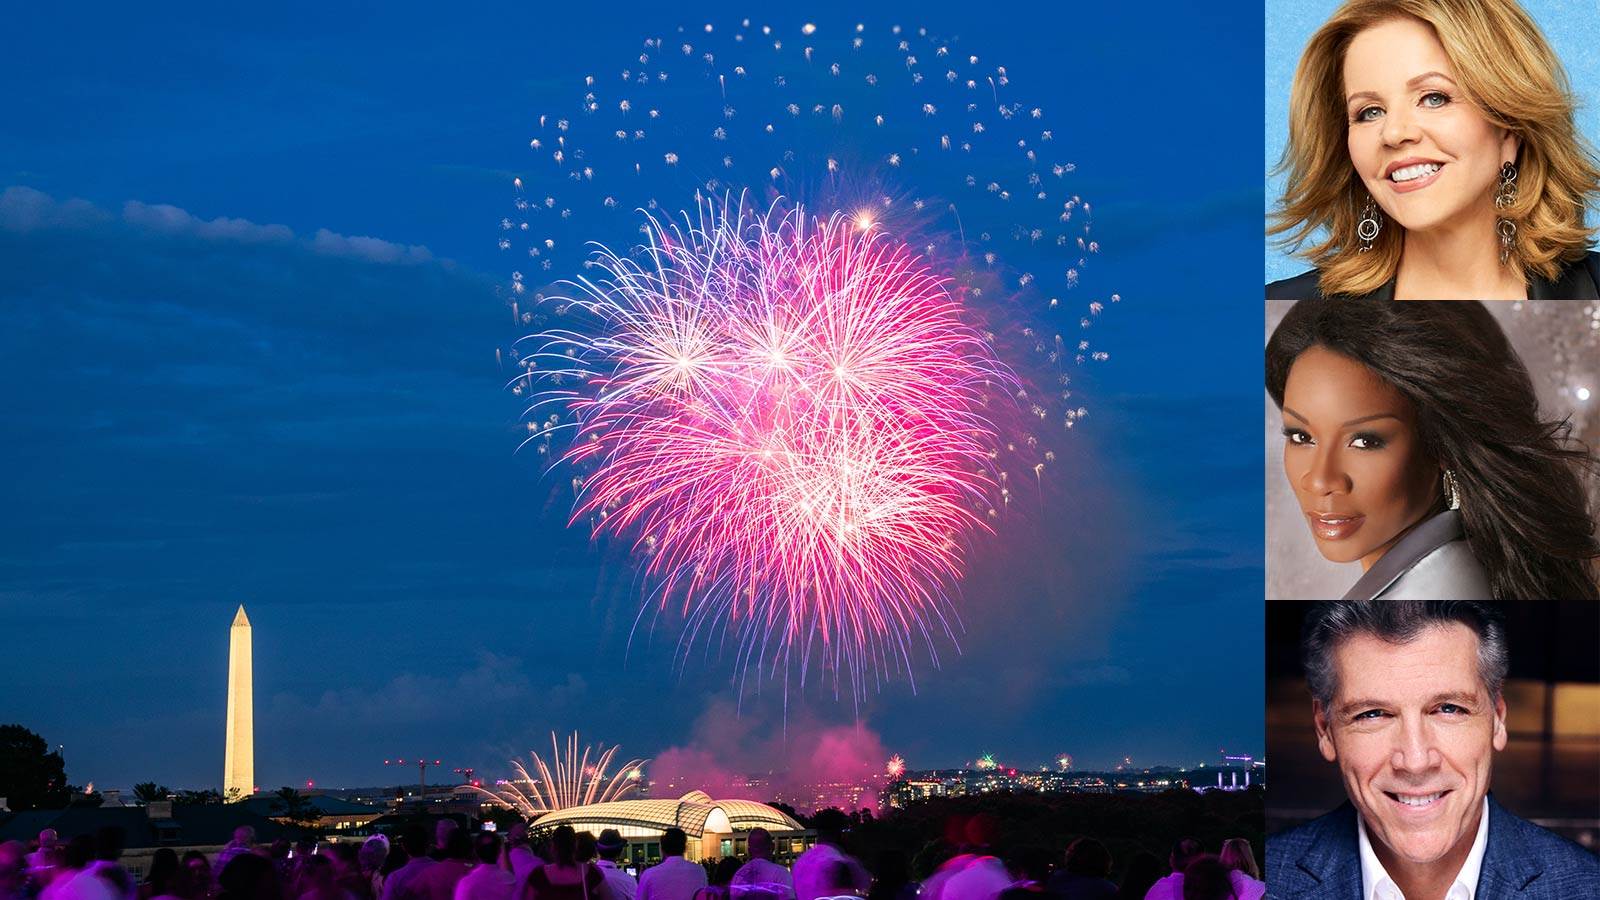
(409, 699)
(173, 221)
(24, 209)
(492, 708)
(367, 248)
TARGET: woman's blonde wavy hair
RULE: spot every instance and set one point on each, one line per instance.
(1507, 69)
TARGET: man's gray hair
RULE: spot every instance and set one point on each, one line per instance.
(1398, 622)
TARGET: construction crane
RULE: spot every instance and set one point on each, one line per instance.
(422, 771)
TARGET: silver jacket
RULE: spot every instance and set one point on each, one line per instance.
(1431, 562)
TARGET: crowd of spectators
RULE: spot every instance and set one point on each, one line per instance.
(451, 864)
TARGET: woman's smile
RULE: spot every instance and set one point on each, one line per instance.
(1331, 527)
(1412, 174)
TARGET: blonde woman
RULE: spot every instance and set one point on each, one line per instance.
(1432, 154)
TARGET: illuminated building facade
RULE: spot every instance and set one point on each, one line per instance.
(716, 828)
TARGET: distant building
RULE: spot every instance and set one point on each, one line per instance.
(332, 814)
(716, 828)
(206, 828)
(906, 791)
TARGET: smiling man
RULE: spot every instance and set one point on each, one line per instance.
(1407, 701)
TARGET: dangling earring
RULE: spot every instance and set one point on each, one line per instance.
(1371, 223)
(1504, 196)
(1452, 490)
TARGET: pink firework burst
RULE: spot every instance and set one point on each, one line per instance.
(787, 419)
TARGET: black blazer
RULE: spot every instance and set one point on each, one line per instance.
(1321, 860)
(1578, 281)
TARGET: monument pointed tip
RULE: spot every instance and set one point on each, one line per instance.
(240, 618)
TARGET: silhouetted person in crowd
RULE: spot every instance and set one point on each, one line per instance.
(1171, 887)
(71, 862)
(893, 879)
(812, 871)
(42, 862)
(455, 859)
(248, 876)
(304, 848)
(281, 852)
(674, 878)
(840, 881)
(13, 871)
(373, 854)
(1030, 866)
(347, 873)
(316, 881)
(1206, 878)
(973, 873)
(487, 880)
(195, 881)
(585, 852)
(1086, 874)
(720, 881)
(523, 859)
(619, 884)
(1240, 859)
(244, 841)
(90, 871)
(406, 883)
(442, 830)
(162, 880)
(107, 866)
(1144, 870)
(393, 862)
(761, 878)
(564, 877)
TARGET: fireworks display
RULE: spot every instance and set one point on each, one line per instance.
(896, 766)
(573, 776)
(790, 403)
(785, 417)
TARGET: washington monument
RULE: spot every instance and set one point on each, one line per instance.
(239, 759)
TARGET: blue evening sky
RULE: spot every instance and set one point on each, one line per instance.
(248, 315)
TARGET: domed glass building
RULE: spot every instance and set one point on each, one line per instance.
(716, 828)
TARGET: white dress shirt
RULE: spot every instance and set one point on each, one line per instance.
(763, 877)
(1169, 887)
(619, 884)
(1377, 885)
(523, 861)
(812, 872)
(982, 879)
(485, 881)
(674, 878)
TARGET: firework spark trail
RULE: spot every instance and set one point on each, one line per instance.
(574, 780)
(786, 417)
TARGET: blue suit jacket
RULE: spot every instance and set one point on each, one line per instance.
(1320, 860)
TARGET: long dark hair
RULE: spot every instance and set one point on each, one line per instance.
(1523, 504)
(564, 846)
(164, 869)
